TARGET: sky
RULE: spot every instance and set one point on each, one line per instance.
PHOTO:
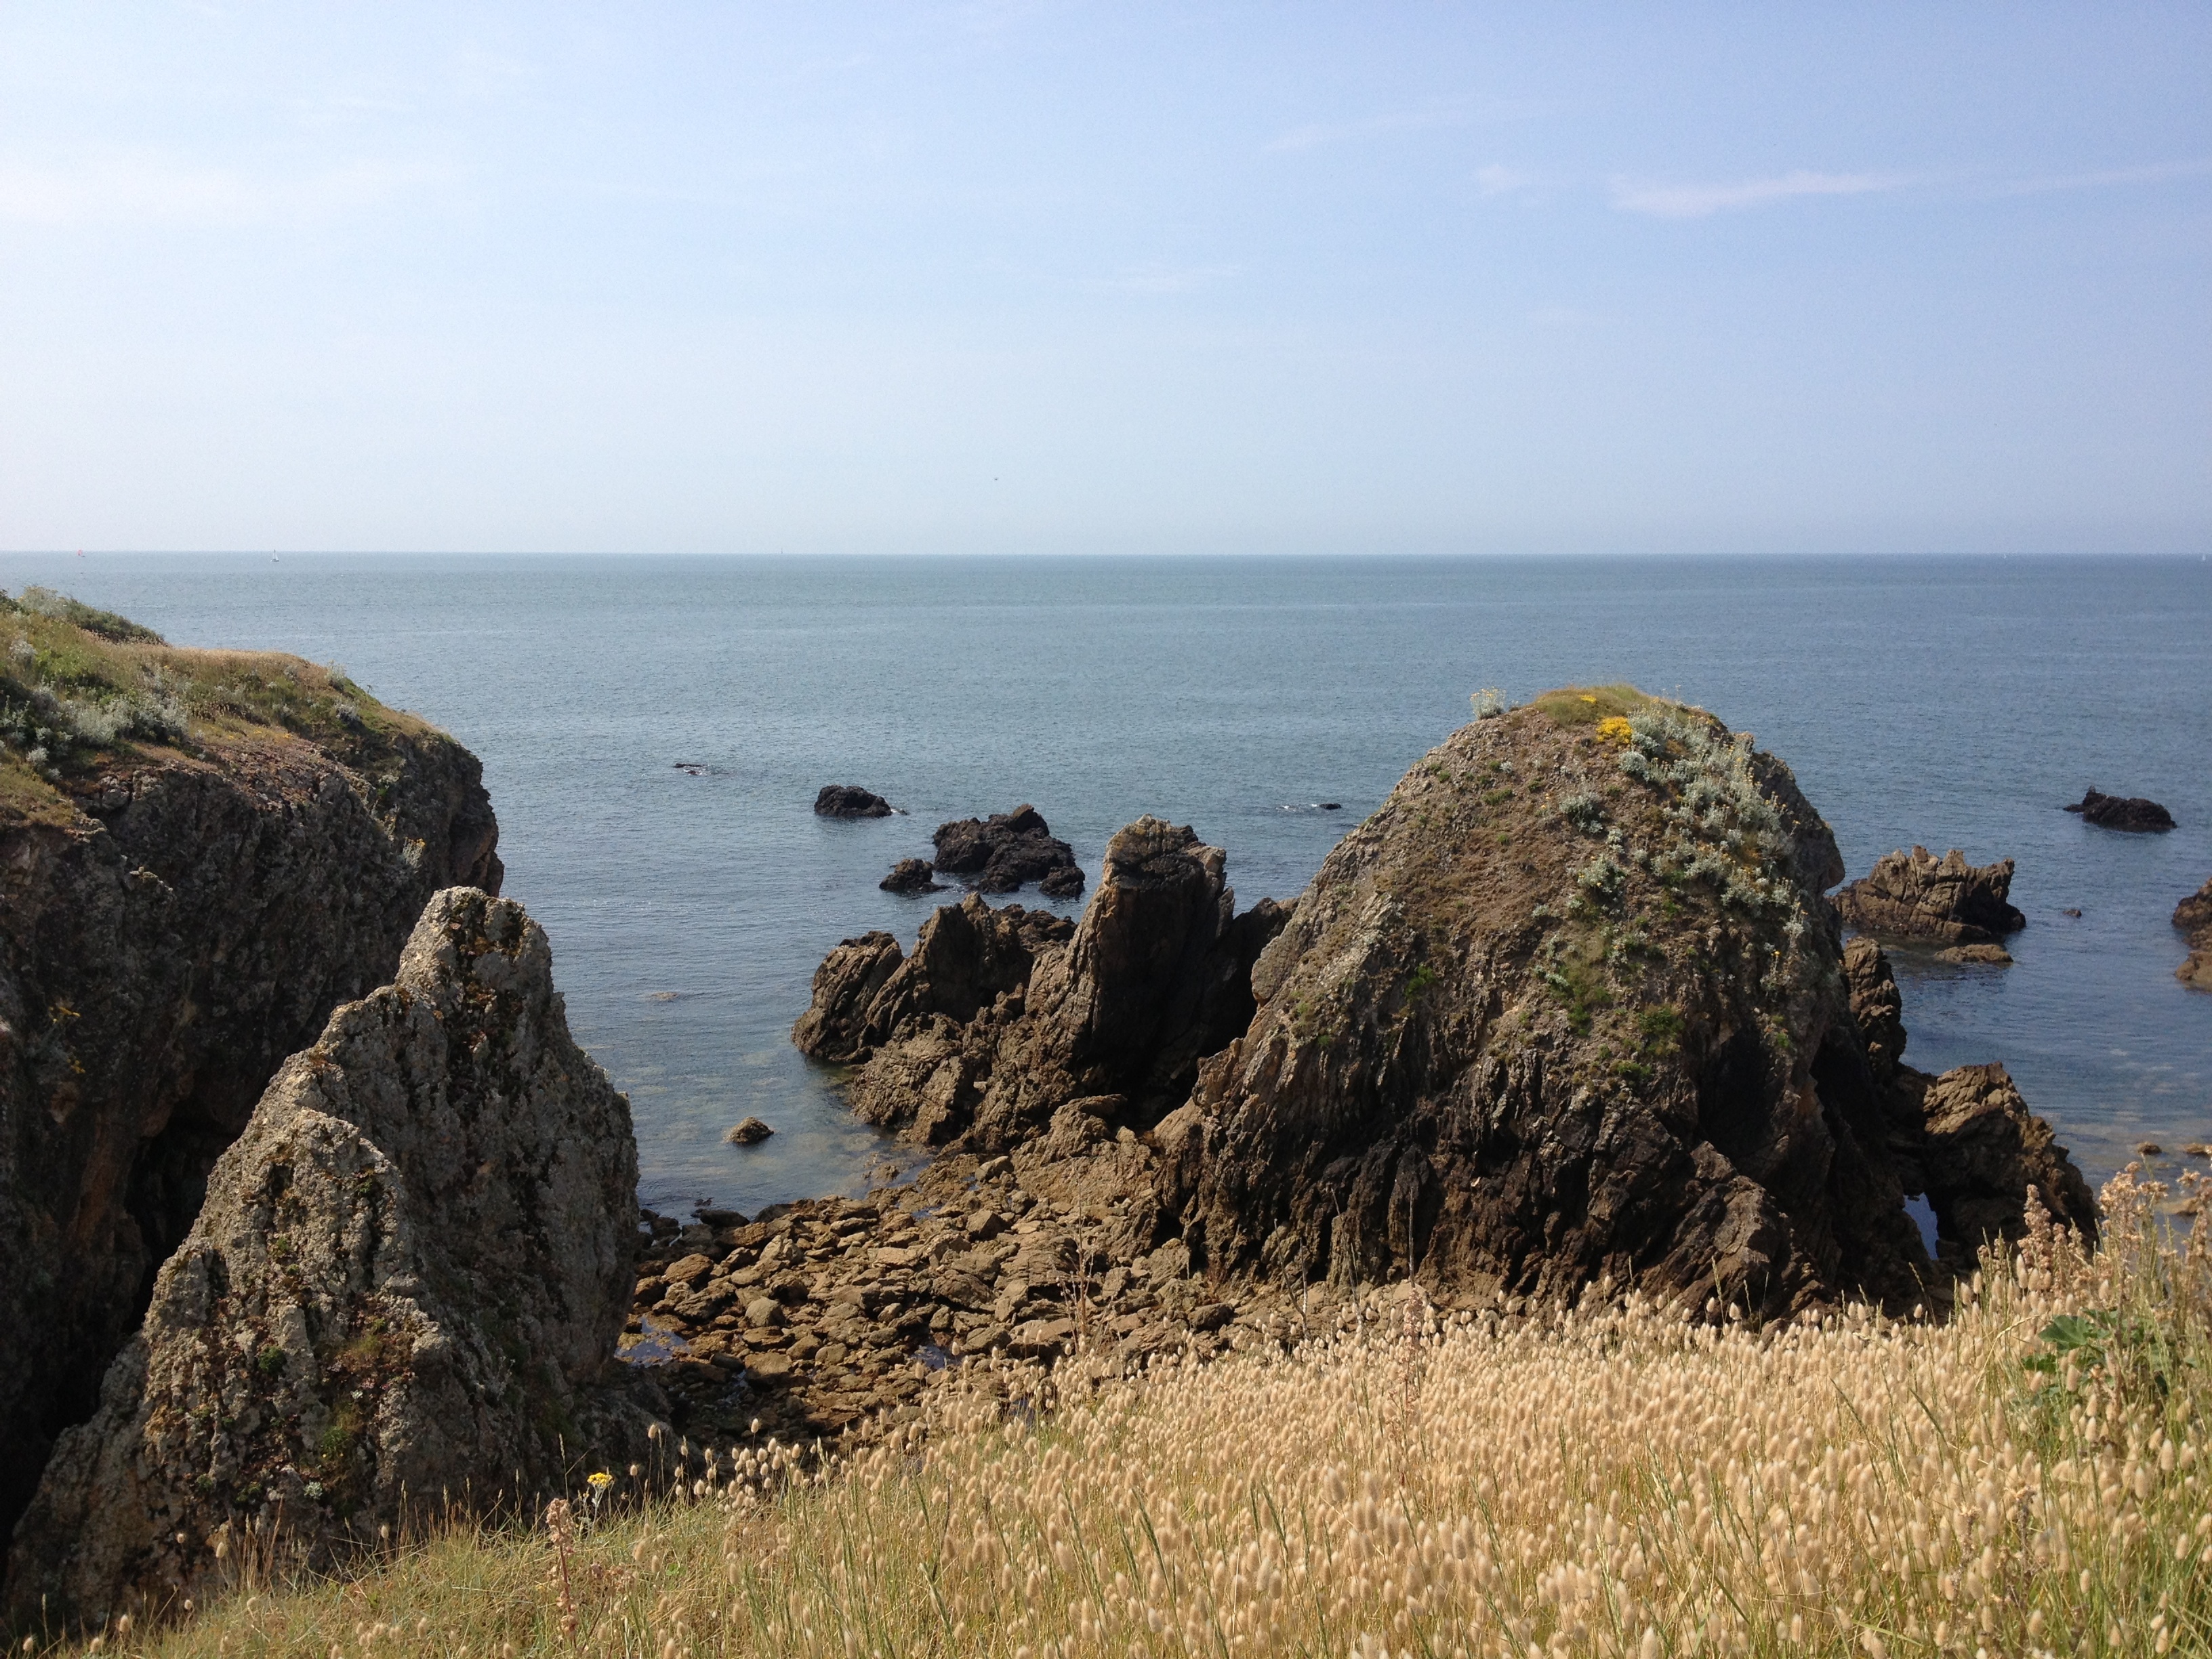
(1038, 279)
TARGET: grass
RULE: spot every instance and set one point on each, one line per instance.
(82, 690)
(2027, 1477)
(1587, 705)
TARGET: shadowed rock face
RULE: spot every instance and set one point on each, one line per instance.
(1918, 896)
(1568, 1005)
(190, 922)
(408, 1278)
(847, 801)
(2193, 915)
(1007, 851)
(1965, 1140)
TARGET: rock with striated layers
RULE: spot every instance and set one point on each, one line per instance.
(1965, 1140)
(1007, 851)
(1005, 1028)
(1566, 1008)
(2129, 812)
(2193, 915)
(179, 910)
(1947, 901)
(405, 1287)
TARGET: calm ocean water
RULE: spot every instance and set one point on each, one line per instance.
(1948, 702)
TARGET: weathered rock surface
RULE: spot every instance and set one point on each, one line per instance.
(748, 1131)
(1567, 1006)
(911, 876)
(2193, 915)
(1004, 1024)
(1007, 851)
(2129, 812)
(1965, 1140)
(1918, 896)
(407, 1283)
(175, 919)
(847, 801)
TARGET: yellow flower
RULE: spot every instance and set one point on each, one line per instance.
(601, 1481)
(1613, 727)
(1587, 698)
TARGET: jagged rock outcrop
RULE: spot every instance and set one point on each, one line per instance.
(179, 912)
(2193, 915)
(1965, 1140)
(1918, 896)
(1004, 1021)
(847, 801)
(2129, 812)
(405, 1286)
(1568, 1006)
(1007, 851)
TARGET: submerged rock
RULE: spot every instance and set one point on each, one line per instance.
(1918, 896)
(2129, 812)
(1007, 851)
(2193, 915)
(847, 801)
(406, 1283)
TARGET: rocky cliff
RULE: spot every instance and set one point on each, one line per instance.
(201, 854)
(2193, 916)
(405, 1286)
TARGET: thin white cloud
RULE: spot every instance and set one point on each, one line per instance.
(2154, 172)
(1313, 138)
(1167, 279)
(1702, 201)
(150, 188)
(1497, 181)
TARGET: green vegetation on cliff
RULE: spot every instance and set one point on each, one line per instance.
(82, 690)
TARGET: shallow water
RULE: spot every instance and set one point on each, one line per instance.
(1949, 701)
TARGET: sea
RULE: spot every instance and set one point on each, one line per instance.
(654, 731)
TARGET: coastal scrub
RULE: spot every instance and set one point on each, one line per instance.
(2026, 1478)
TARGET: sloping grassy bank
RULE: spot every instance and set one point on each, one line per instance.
(2027, 1477)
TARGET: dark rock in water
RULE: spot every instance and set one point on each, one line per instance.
(1332, 807)
(750, 1133)
(911, 876)
(2129, 812)
(2072, 910)
(846, 800)
(1917, 896)
(1966, 1138)
(1005, 851)
(408, 1278)
(2193, 915)
(722, 1218)
(170, 930)
(1993, 956)
(1066, 882)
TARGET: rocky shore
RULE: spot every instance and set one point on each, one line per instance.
(2193, 916)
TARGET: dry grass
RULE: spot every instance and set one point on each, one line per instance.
(1610, 1480)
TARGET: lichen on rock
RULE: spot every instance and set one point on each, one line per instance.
(403, 1291)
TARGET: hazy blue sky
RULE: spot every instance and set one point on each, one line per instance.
(1042, 277)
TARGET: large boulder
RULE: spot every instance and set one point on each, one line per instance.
(1007, 851)
(1918, 896)
(1568, 1006)
(404, 1289)
(2129, 812)
(1966, 1139)
(2193, 915)
(179, 912)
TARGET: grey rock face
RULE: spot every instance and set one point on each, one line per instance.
(405, 1286)
(161, 951)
